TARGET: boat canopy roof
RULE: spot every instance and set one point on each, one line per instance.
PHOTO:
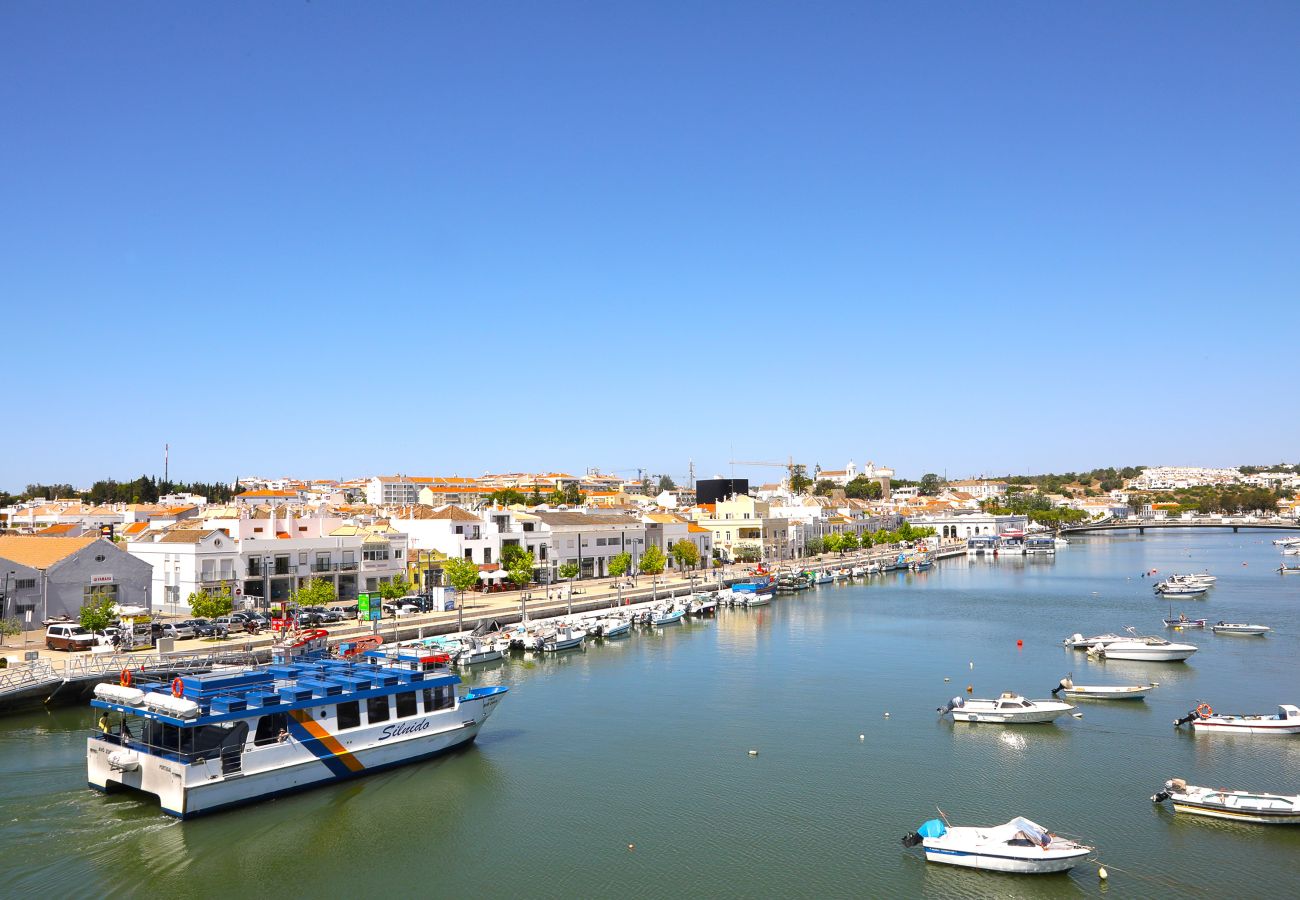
(1020, 827)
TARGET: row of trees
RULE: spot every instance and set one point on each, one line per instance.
(842, 542)
(145, 489)
(1095, 481)
(1037, 507)
(1232, 498)
(569, 495)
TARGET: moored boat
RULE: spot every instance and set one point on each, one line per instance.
(1143, 647)
(1008, 709)
(234, 736)
(1184, 622)
(1019, 846)
(1101, 691)
(1203, 719)
(1237, 806)
(1077, 641)
(1240, 628)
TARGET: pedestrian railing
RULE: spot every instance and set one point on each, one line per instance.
(24, 675)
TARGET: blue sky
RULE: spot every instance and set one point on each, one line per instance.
(329, 239)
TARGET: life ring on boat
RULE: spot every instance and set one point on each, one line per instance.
(125, 678)
(178, 687)
(1205, 710)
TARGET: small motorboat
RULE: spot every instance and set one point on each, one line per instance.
(1184, 622)
(475, 651)
(1238, 806)
(702, 605)
(1009, 709)
(1101, 691)
(1144, 647)
(1020, 846)
(611, 626)
(565, 637)
(1240, 628)
(1204, 719)
(1077, 641)
(667, 615)
(1170, 589)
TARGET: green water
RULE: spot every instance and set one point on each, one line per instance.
(645, 741)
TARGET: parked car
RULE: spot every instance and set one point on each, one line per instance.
(178, 631)
(327, 615)
(306, 618)
(347, 611)
(200, 627)
(68, 637)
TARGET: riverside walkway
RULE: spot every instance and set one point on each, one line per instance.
(55, 677)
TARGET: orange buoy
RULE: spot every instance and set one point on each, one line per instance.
(178, 687)
(1020, 643)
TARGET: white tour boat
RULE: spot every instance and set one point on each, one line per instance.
(1204, 719)
(1009, 709)
(1020, 846)
(1101, 691)
(1240, 628)
(1238, 806)
(242, 734)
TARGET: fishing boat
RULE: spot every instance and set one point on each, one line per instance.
(1204, 719)
(1008, 709)
(755, 592)
(1181, 589)
(1144, 647)
(1020, 846)
(610, 626)
(1240, 628)
(1101, 691)
(236, 735)
(823, 578)
(1238, 806)
(858, 571)
(1288, 570)
(474, 651)
(1184, 622)
(667, 614)
(702, 605)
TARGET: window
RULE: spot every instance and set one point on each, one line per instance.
(374, 552)
(377, 709)
(439, 698)
(269, 728)
(349, 715)
(302, 559)
(24, 584)
(406, 705)
(397, 554)
(257, 529)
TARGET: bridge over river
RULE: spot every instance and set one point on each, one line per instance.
(1140, 525)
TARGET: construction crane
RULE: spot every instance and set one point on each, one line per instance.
(788, 465)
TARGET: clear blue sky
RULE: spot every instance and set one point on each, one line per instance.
(330, 239)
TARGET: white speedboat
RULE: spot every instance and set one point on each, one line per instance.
(1101, 691)
(669, 614)
(1181, 589)
(1291, 551)
(474, 651)
(1238, 806)
(1144, 647)
(1019, 846)
(1239, 628)
(1286, 542)
(1204, 719)
(566, 637)
(1077, 641)
(1009, 709)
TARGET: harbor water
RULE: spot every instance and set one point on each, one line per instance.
(624, 769)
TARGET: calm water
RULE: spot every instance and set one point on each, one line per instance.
(644, 741)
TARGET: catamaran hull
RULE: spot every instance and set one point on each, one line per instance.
(199, 788)
(1045, 863)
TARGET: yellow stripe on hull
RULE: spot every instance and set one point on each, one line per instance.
(331, 743)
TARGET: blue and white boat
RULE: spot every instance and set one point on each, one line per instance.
(233, 736)
(755, 592)
(1020, 846)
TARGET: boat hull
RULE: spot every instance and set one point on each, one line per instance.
(1029, 717)
(1104, 693)
(1214, 725)
(1147, 653)
(1044, 864)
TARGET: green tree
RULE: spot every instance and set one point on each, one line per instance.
(505, 497)
(814, 545)
(863, 488)
(320, 592)
(572, 495)
(555, 498)
(652, 561)
(9, 626)
(824, 488)
(833, 542)
(463, 576)
(569, 571)
(391, 590)
(535, 498)
(686, 554)
(511, 552)
(619, 564)
(205, 604)
(520, 569)
(666, 483)
(97, 614)
(931, 484)
(747, 552)
(848, 541)
(799, 480)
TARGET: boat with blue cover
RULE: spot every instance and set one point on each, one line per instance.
(233, 736)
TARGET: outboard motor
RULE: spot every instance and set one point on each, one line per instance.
(911, 839)
(1160, 796)
(955, 703)
(1063, 684)
(1191, 716)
